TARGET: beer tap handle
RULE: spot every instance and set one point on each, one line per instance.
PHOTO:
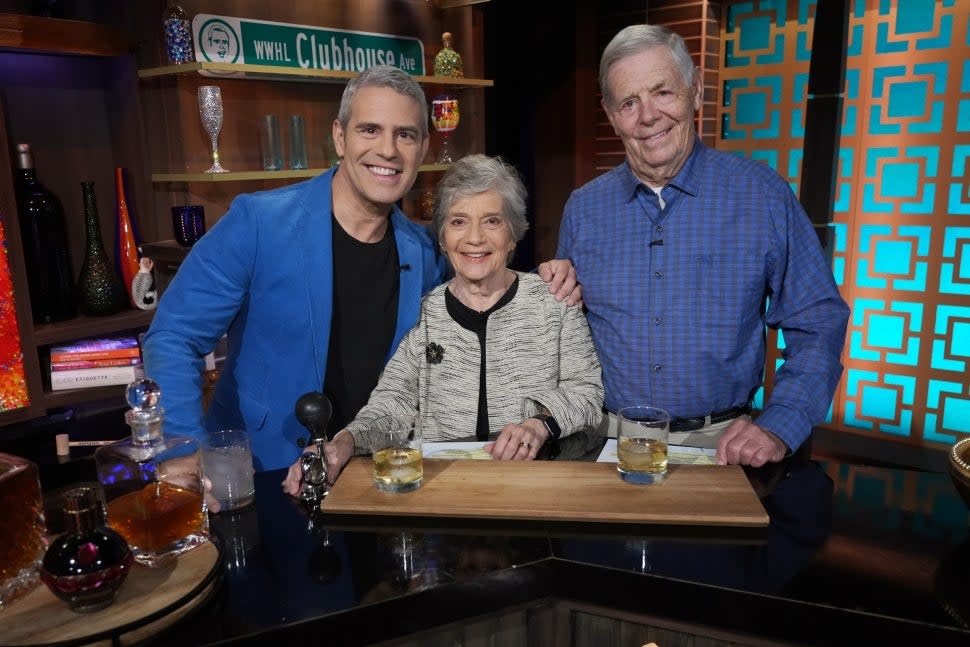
(313, 410)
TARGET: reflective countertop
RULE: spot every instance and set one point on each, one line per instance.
(851, 547)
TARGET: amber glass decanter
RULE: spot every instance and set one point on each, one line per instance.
(153, 483)
(22, 527)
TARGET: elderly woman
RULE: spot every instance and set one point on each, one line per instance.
(493, 356)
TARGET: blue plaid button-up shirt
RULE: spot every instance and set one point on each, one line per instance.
(678, 297)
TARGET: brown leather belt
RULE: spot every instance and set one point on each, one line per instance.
(693, 424)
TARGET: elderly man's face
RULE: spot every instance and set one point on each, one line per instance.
(652, 110)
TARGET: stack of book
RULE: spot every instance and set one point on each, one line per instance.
(89, 363)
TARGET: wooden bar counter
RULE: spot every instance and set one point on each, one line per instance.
(853, 554)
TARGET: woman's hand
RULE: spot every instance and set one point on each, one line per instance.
(519, 442)
(336, 453)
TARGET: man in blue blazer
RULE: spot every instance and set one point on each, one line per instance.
(315, 282)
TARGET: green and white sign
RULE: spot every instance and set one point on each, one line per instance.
(224, 39)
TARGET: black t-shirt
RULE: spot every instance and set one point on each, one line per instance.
(366, 284)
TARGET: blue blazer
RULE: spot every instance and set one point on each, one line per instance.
(264, 273)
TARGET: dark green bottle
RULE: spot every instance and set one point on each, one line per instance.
(99, 290)
(44, 235)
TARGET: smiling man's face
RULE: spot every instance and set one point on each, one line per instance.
(651, 108)
(382, 147)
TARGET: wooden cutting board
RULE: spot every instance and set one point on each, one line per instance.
(149, 600)
(697, 495)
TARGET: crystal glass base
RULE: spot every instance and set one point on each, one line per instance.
(15, 586)
(397, 488)
(642, 478)
(173, 550)
(216, 168)
(444, 155)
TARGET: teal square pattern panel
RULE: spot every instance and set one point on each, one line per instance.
(901, 212)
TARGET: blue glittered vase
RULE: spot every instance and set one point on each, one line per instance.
(178, 35)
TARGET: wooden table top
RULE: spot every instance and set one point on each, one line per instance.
(699, 495)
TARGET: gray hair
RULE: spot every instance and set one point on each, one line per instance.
(384, 76)
(636, 38)
(475, 174)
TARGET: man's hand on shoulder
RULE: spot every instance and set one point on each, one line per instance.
(560, 276)
(745, 443)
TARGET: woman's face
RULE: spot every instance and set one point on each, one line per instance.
(476, 237)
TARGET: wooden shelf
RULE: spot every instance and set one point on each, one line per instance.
(451, 4)
(83, 326)
(249, 176)
(278, 73)
(71, 397)
(57, 36)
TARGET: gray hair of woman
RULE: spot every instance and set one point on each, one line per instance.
(384, 76)
(476, 174)
(636, 38)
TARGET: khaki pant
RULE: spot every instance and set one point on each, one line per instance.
(704, 437)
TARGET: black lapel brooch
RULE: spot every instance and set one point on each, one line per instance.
(434, 353)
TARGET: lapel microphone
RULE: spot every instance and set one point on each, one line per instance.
(654, 243)
(405, 268)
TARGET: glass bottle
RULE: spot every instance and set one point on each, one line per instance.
(153, 483)
(100, 290)
(126, 238)
(87, 564)
(178, 34)
(22, 527)
(43, 231)
(448, 62)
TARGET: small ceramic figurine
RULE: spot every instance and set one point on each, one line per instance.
(448, 61)
(143, 291)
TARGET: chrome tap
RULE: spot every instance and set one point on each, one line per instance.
(313, 410)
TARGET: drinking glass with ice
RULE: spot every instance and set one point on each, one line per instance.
(395, 444)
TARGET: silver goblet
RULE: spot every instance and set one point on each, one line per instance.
(210, 110)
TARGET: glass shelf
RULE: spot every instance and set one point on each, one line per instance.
(278, 73)
(248, 176)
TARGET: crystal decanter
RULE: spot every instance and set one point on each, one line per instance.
(153, 483)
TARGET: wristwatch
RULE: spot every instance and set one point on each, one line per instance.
(550, 423)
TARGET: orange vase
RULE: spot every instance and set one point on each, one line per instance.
(126, 241)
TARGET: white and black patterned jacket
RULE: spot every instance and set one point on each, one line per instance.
(539, 353)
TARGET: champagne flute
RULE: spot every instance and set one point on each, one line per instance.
(210, 110)
(444, 118)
